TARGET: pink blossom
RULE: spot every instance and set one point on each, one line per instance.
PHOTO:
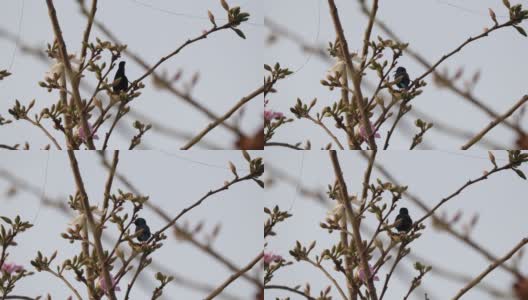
(83, 136)
(102, 284)
(362, 132)
(272, 115)
(10, 268)
(363, 277)
(270, 257)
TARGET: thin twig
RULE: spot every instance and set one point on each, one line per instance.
(200, 201)
(287, 288)
(226, 116)
(233, 277)
(322, 125)
(453, 131)
(431, 211)
(329, 276)
(285, 145)
(120, 113)
(86, 34)
(368, 31)
(2, 146)
(495, 122)
(142, 264)
(490, 268)
(181, 47)
(46, 132)
(109, 181)
(457, 49)
(66, 282)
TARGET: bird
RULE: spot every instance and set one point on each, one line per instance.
(120, 79)
(403, 220)
(402, 77)
(141, 224)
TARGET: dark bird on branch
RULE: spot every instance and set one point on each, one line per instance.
(402, 78)
(141, 225)
(403, 220)
(120, 79)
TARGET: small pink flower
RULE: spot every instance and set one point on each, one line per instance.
(272, 115)
(362, 132)
(270, 257)
(363, 277)
(83, 136)
(10, 268)
(102, 284)
(267, 115)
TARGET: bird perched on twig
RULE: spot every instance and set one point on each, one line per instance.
(403, 220)
(141, 225)
(402, 78)
(120, 79)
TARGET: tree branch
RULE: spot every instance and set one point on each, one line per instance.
(74, 82)
(226, 116)
(91, 222)
(355, 221)
(356, 77)
(234, 277)
(490, 268)
(495, 122)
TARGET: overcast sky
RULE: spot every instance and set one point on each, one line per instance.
(229, 66)
(433, 28)
(172, 182)
(431, 175)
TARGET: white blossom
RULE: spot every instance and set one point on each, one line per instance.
(340, 66)
(57, 68)
(337, 210)
(80, 220)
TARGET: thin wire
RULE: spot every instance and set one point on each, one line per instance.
(310, 54)
(297, 186)
(186, 15)
(199, 162)
(19, 30)
(469, 10)
(43, 189)
(469, 155)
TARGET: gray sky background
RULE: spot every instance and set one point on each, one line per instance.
(431, 175)
(229, 67)
(434, 28)
(172, 183)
